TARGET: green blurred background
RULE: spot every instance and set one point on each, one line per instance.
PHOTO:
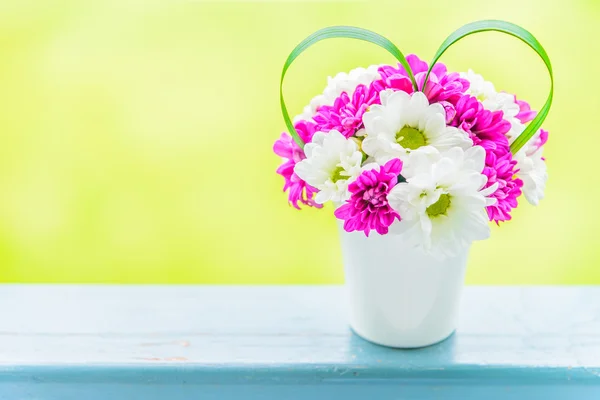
(137, 135)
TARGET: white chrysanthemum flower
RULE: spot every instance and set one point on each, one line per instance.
(403, 123)
(331, 163)
(441, 204)
(342, 82)
(478, 86)
(494, 101)
(532, 170)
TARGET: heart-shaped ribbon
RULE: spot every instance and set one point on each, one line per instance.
(351, 32)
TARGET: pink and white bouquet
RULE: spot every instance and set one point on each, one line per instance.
(431, 162)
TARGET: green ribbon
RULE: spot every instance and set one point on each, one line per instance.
(474, 27)
(519, 33)
(331, 32)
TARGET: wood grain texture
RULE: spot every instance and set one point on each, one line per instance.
(153, 342)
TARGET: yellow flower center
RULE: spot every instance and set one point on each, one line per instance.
(336, 175)
(439, 207)
(410, 138)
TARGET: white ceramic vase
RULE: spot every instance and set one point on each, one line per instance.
(399, 296)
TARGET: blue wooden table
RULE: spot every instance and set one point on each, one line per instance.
(90, 342)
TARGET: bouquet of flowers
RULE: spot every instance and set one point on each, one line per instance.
(415, 150)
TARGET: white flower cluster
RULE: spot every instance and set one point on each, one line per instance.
(441, 202)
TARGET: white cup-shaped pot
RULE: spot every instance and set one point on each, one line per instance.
(400, 296)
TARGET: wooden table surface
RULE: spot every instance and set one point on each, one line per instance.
(287, 342)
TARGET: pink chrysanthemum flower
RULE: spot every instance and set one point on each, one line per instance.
(285, 147)
(488, 129)
(481, 124)
(441, 86)
(501, 170)
(345, 115)
(368, 208)
(525, 114)
(305, 129)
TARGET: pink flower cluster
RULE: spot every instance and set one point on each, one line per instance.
(286, 148)
(346, 113)
(441, 86)
(367, 208)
